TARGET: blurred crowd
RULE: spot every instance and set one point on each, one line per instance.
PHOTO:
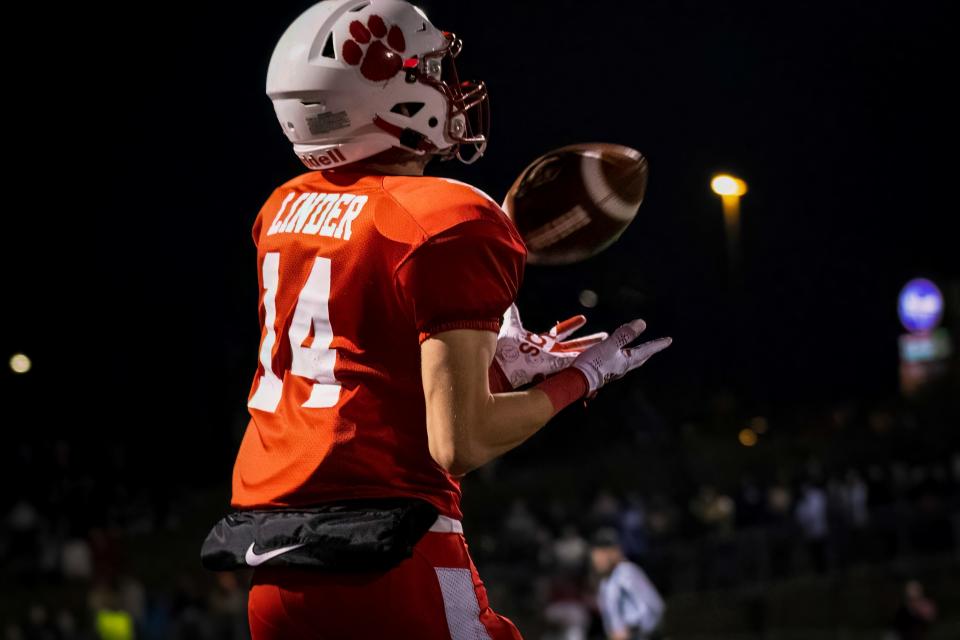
(67, 565)
(74, 565)
(757, 533)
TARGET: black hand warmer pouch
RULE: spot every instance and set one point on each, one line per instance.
(345, 536)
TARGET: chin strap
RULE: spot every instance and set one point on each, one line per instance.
(408, 137)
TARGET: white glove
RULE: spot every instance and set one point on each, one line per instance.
(524, 356)
(609, 360)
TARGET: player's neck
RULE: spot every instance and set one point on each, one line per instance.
(394, 162)
(393, 169)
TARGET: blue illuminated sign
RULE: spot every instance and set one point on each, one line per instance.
(921, 306)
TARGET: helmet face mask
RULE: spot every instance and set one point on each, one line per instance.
(469, 117)
(352, 78)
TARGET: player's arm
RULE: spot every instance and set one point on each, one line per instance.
(467, 425)
(457, 285)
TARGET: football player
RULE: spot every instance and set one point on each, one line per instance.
(391, 361)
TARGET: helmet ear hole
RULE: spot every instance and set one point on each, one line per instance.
(408, 109)
(328, 50)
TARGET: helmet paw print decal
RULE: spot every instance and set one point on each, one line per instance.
(378, 61)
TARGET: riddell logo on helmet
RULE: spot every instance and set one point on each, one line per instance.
(334, 156)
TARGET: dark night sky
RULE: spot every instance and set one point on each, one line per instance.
(839, 116)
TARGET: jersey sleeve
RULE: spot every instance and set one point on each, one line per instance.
(272, 204)
(255, 230)
(463, 278)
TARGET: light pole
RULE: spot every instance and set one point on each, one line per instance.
(730, 189)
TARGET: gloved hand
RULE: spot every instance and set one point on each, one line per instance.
(523, 356)
(610, 360)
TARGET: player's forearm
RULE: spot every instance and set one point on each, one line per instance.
(467, 425)
(505, 421)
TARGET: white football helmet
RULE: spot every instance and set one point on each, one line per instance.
(352, 78)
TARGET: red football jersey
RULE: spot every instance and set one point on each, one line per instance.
(355, 271)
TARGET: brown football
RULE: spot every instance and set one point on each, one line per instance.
(574, 202)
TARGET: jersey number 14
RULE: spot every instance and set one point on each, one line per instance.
(314, 362)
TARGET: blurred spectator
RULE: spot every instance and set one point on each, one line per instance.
(856, 497)
(566, 613)
(520, 533)
(76, 560)
(191, 620)
(66, 625)
(880, 421)
(558, 510)
(49, 558)
(23, 524)
(899, 481)
(715, 514)
(605, 511)
(929, 492)
(12, 631)
(39, 625)
(570, 549)
(157, 618)
(106, 545)
(132, 598)
(520, 521)
(849, 515)
(779, 500)
(749, 504)
(114, 624)
(780, 510)
(662, 516)
(713, 511)
(915, 614)
(878, 487)
(228, 606)
(633, 527)
(631, 607)
(811, 514)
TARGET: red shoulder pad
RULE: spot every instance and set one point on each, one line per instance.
(439, 204)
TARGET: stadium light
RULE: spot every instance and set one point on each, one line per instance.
(727, 185)
(20, 363)
(730, 189)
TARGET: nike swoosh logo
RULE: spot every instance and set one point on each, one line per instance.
(253, 559)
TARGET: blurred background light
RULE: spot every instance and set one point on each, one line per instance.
(589, 298)
(920, 306)
(759, 424)
(727, 185)
(20, 363)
